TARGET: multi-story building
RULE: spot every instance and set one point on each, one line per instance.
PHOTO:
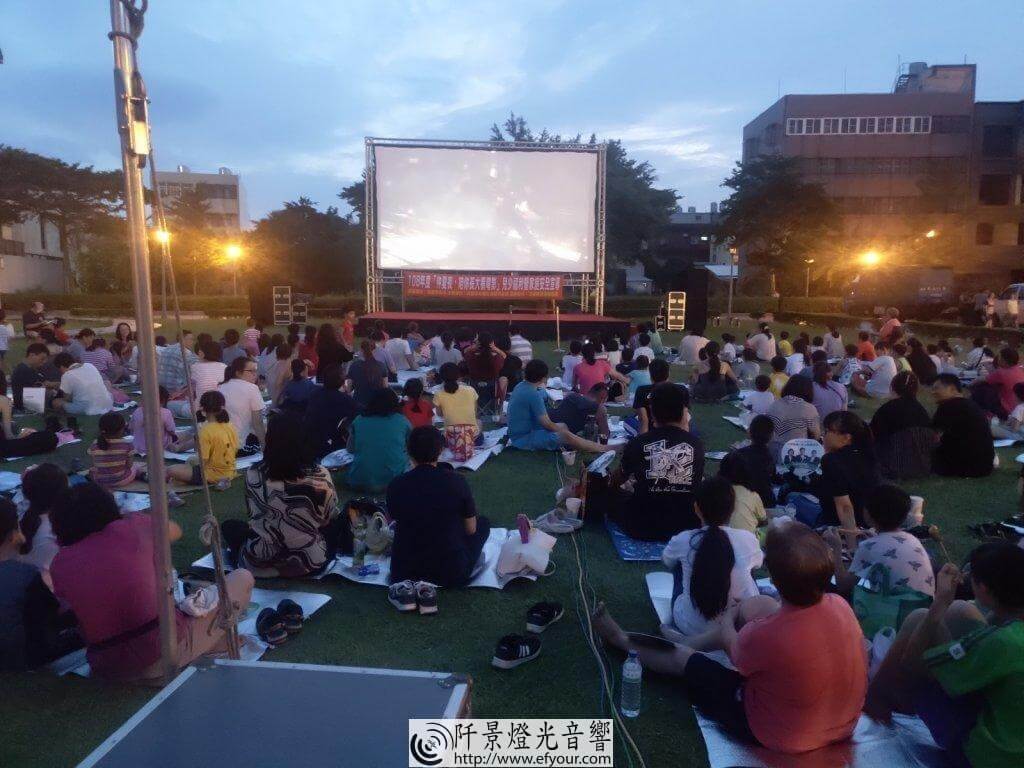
(31, 257)
(922, 160)
(223, 190)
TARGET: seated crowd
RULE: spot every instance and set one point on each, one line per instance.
(823, 526)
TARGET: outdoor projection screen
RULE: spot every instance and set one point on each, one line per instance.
(460, 209)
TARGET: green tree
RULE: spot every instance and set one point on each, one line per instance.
(313, 250)
(73, 197)
(777, 218)
(103, 260)
(194, 247)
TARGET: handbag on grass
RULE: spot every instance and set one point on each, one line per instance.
(877, 604)
(515, 556)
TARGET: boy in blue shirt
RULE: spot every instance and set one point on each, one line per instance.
(529, 426)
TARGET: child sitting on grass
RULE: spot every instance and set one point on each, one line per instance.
(112, 463)
(640, 376)
(416, 407)
(959, 665)
(1013, 427)
(172, 441)
(778, 377)
(218, 447)
(715, 561)
(762, 397)
(626, 365)
(901, 554)
(749, 369)
(800, 668)
(571, 360)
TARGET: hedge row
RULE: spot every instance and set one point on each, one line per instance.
(937, 330)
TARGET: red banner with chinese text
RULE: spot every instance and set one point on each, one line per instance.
(475, 286)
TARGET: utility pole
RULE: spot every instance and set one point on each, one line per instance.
(133, 130)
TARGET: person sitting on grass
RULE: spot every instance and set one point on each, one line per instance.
(749, 369)
(377, 443)
(171, 440)
(1013, 427)
(438, 534)
(874, 379)
(800, 669)
(295, 394)
(794, 414)
(329, 413)
(529, 426)
(666, 464)
(898, 552)
(829, 396)
(965, 436)
(760, 399)
(295, 525)
(785, 346)
(416, 406)
(778, 376)
(659, 370)
(713, 378)
(511, 372)
(959, 665)
(593, 369)
(715, 562)
(625, 364)
(218, 446)
(640, 376)
(113, 465)
(40, 485)
(28, 610)
(571, 360)
(366, 376)
(82, 389)
(758, 460)
(104, 573)
(456, 404)
(232, 346)
(748, 512)
(32, 372)
(575, 409)
(865, 349)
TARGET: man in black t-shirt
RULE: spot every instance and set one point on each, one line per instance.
(34, 320)
(438, 534)
(574, 409)
(659, 372)
(32, 372)
(666, 464)
(965, 446)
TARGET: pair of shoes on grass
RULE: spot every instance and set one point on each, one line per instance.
(276, 625)
(513, 650)
(409, 596)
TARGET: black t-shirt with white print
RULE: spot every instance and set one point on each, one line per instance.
(666, 464)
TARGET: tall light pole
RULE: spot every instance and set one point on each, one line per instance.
(734, 257)
(133, 129)
(807, 281)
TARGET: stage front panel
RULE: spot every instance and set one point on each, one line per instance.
(473, 210)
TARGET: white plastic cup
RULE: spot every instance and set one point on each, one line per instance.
(569, 457)
(573, 506)
(916, 514)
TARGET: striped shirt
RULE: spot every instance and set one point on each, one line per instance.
(101, 358)
(206, 376)
(521, 348)
(794, 418)
(113, 466)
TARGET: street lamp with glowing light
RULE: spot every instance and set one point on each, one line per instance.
(162, 236)
(233, 252)
(870, 258)
(930, 233)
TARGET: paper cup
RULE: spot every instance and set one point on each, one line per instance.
(573, 506)
(569, 457)
(916, 514)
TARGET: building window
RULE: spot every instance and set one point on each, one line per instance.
(997, 141)
(904, 124)
(812, 125)
(922, 125)
(794, 126)
(42, 233)
(830, 125)
(867, 125)
(994, 189)
(885, 124)
(983, 234)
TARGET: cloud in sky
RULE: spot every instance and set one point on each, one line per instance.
(285, 92)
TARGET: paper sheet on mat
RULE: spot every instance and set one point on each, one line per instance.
(337, 459)
(491, 447)
(486, 577)
(740, 421)
(659, 588)
(906, 744)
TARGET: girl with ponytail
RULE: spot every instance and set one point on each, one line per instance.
(456, 404)
(849, 471)
(40, 486)
(593, 370)
(713, 378)
(714, 562)
(829, 396)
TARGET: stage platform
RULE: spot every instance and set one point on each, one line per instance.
(535, 326)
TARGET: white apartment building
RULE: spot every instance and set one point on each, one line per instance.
(30, 257)
(224, 194)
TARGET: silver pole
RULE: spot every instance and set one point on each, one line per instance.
(134, 134)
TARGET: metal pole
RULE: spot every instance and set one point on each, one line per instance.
(558, 330)
(134, 134)
(732, 270)
(807, 282)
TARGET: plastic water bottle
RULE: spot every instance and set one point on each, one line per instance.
(632, 671)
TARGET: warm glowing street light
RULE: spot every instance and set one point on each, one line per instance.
(807, 282)
(930, 233)
(870, 258)
(162, 236)
(233, 252)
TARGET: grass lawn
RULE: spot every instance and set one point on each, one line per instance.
(56, 722)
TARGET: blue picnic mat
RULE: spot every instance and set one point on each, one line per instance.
(631, 549)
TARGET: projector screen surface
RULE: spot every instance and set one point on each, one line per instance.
(485, 210)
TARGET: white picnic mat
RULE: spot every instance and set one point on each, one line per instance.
(486, 576)
(243, 463)
(491, 447)
(251, 648)
(905, 744)
(742, 421)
